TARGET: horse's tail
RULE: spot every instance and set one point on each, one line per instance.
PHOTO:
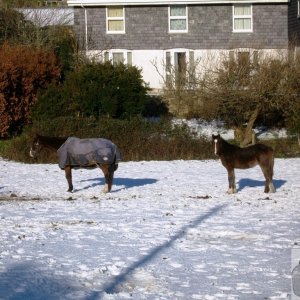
(116, 155)
(115, 164)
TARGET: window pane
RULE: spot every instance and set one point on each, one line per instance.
(239, 24)
(247, 24)
(115, 26)
(242, 10)
(178, 24)
(114, 12)
(192, 59)
(129, 58)
(180, 61)
(168, 61)
(178, 11)
(242, 24)
(118, 58)
(106, 56)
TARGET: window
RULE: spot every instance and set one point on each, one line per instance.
(242, 18)
(244, 61)
(115, 20)
(118, 56)
(298, 8)
(129, 58)
(179, 67)
(244, 58)
(180, 63)
(178, 19)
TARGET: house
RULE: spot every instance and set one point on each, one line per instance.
(157, 34)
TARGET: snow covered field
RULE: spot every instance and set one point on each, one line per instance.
(167, 230)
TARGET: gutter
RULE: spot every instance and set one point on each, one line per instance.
(168, 2)
(85, 27)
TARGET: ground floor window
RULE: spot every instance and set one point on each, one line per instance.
(178, 65)
(118, 57)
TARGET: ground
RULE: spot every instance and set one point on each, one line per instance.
(168, 230)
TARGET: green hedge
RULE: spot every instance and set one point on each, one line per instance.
(138, 139)
(95, 89)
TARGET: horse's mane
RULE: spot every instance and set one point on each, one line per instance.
(226, 146)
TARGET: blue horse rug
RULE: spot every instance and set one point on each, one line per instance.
(87, 153)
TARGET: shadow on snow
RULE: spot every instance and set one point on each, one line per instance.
(31, 281)
(246, 182)
(112, 287)
(28, 281)
(124, 182)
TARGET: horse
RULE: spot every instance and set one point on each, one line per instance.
(233, 157)
(75, 153)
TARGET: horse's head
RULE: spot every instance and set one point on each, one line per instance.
(216, 141)
(35, 147)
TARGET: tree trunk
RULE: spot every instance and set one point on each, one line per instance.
(246, 136)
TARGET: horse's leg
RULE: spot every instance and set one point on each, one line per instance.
(267, 170)
(68, 173)
(231, 181)
(108, 171)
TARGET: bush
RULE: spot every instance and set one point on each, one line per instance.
(137, 139)
(96, 89)
(23, 71)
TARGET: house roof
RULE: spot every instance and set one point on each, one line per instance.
(84, 3)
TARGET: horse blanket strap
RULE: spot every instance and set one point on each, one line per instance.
(77, 152)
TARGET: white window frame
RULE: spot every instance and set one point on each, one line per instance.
(178, 18)
(115, 19)
(234, 17)
(254, 54)
(127, 54)
(173, 53)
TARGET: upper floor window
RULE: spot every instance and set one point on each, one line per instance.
(242, 18)
(178, 18)
(115, 19)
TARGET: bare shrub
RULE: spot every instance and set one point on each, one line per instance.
(242, 88)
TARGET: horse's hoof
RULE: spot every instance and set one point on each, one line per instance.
(231, 191)
(106, 189)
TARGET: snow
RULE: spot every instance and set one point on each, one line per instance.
(204, 128)
(168, 230)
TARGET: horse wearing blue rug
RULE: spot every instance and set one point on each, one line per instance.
(75, 153)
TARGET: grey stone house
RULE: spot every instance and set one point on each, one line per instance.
(157, 34)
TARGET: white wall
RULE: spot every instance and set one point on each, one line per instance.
(152, 62)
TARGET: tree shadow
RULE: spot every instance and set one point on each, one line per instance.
(246, 182)
(27, 281)
(123, 182)
(118, 280)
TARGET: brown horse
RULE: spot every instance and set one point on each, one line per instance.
(100, 153)
(243, 158)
